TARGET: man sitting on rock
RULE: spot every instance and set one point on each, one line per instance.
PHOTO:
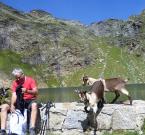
(30, 91)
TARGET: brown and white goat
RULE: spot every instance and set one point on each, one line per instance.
(93, 99)
(116, 85)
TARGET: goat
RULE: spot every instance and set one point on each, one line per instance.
(93, 99)
(116, 85)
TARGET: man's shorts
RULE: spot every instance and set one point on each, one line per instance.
(28, 103)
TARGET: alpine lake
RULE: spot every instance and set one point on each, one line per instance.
(67, 94)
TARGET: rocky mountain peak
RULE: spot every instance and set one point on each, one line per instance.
(40, 13)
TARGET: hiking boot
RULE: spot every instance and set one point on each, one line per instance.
(3, 132)
(32, 131)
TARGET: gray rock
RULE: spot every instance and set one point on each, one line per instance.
(124, 118)
(74, 120)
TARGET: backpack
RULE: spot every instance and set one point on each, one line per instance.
(18, 122)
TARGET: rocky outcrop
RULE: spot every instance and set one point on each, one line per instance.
(70, 118)
(114, 27)
(122, 33)
(50, 41)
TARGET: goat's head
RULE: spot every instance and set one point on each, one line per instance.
(85, 80)
(82, 95)
(83, 98)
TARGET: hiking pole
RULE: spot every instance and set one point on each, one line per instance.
(46, 114)
(47, 108)
(44, 126)
(42, 132)
(44, 121)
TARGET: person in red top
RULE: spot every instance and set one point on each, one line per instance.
(30, 92)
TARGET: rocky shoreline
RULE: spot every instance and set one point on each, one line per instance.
(70, 118)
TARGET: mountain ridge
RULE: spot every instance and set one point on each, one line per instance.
(57, 50)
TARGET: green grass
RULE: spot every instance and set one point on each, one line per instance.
(121, 132)
(10, 60)
(143, 127)
(111, 62)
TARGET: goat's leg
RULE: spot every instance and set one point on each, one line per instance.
(101, 103)
(86, 110)
(130, 99)
(95, 124)
(117, 95)
(95, 114)
(125, 92)
(86, 107)
(95, 108)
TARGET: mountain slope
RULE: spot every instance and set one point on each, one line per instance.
(57, 52)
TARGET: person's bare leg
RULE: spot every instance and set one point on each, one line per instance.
(33, 114)
(4, 113)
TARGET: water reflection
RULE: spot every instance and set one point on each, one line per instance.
(67, 94)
